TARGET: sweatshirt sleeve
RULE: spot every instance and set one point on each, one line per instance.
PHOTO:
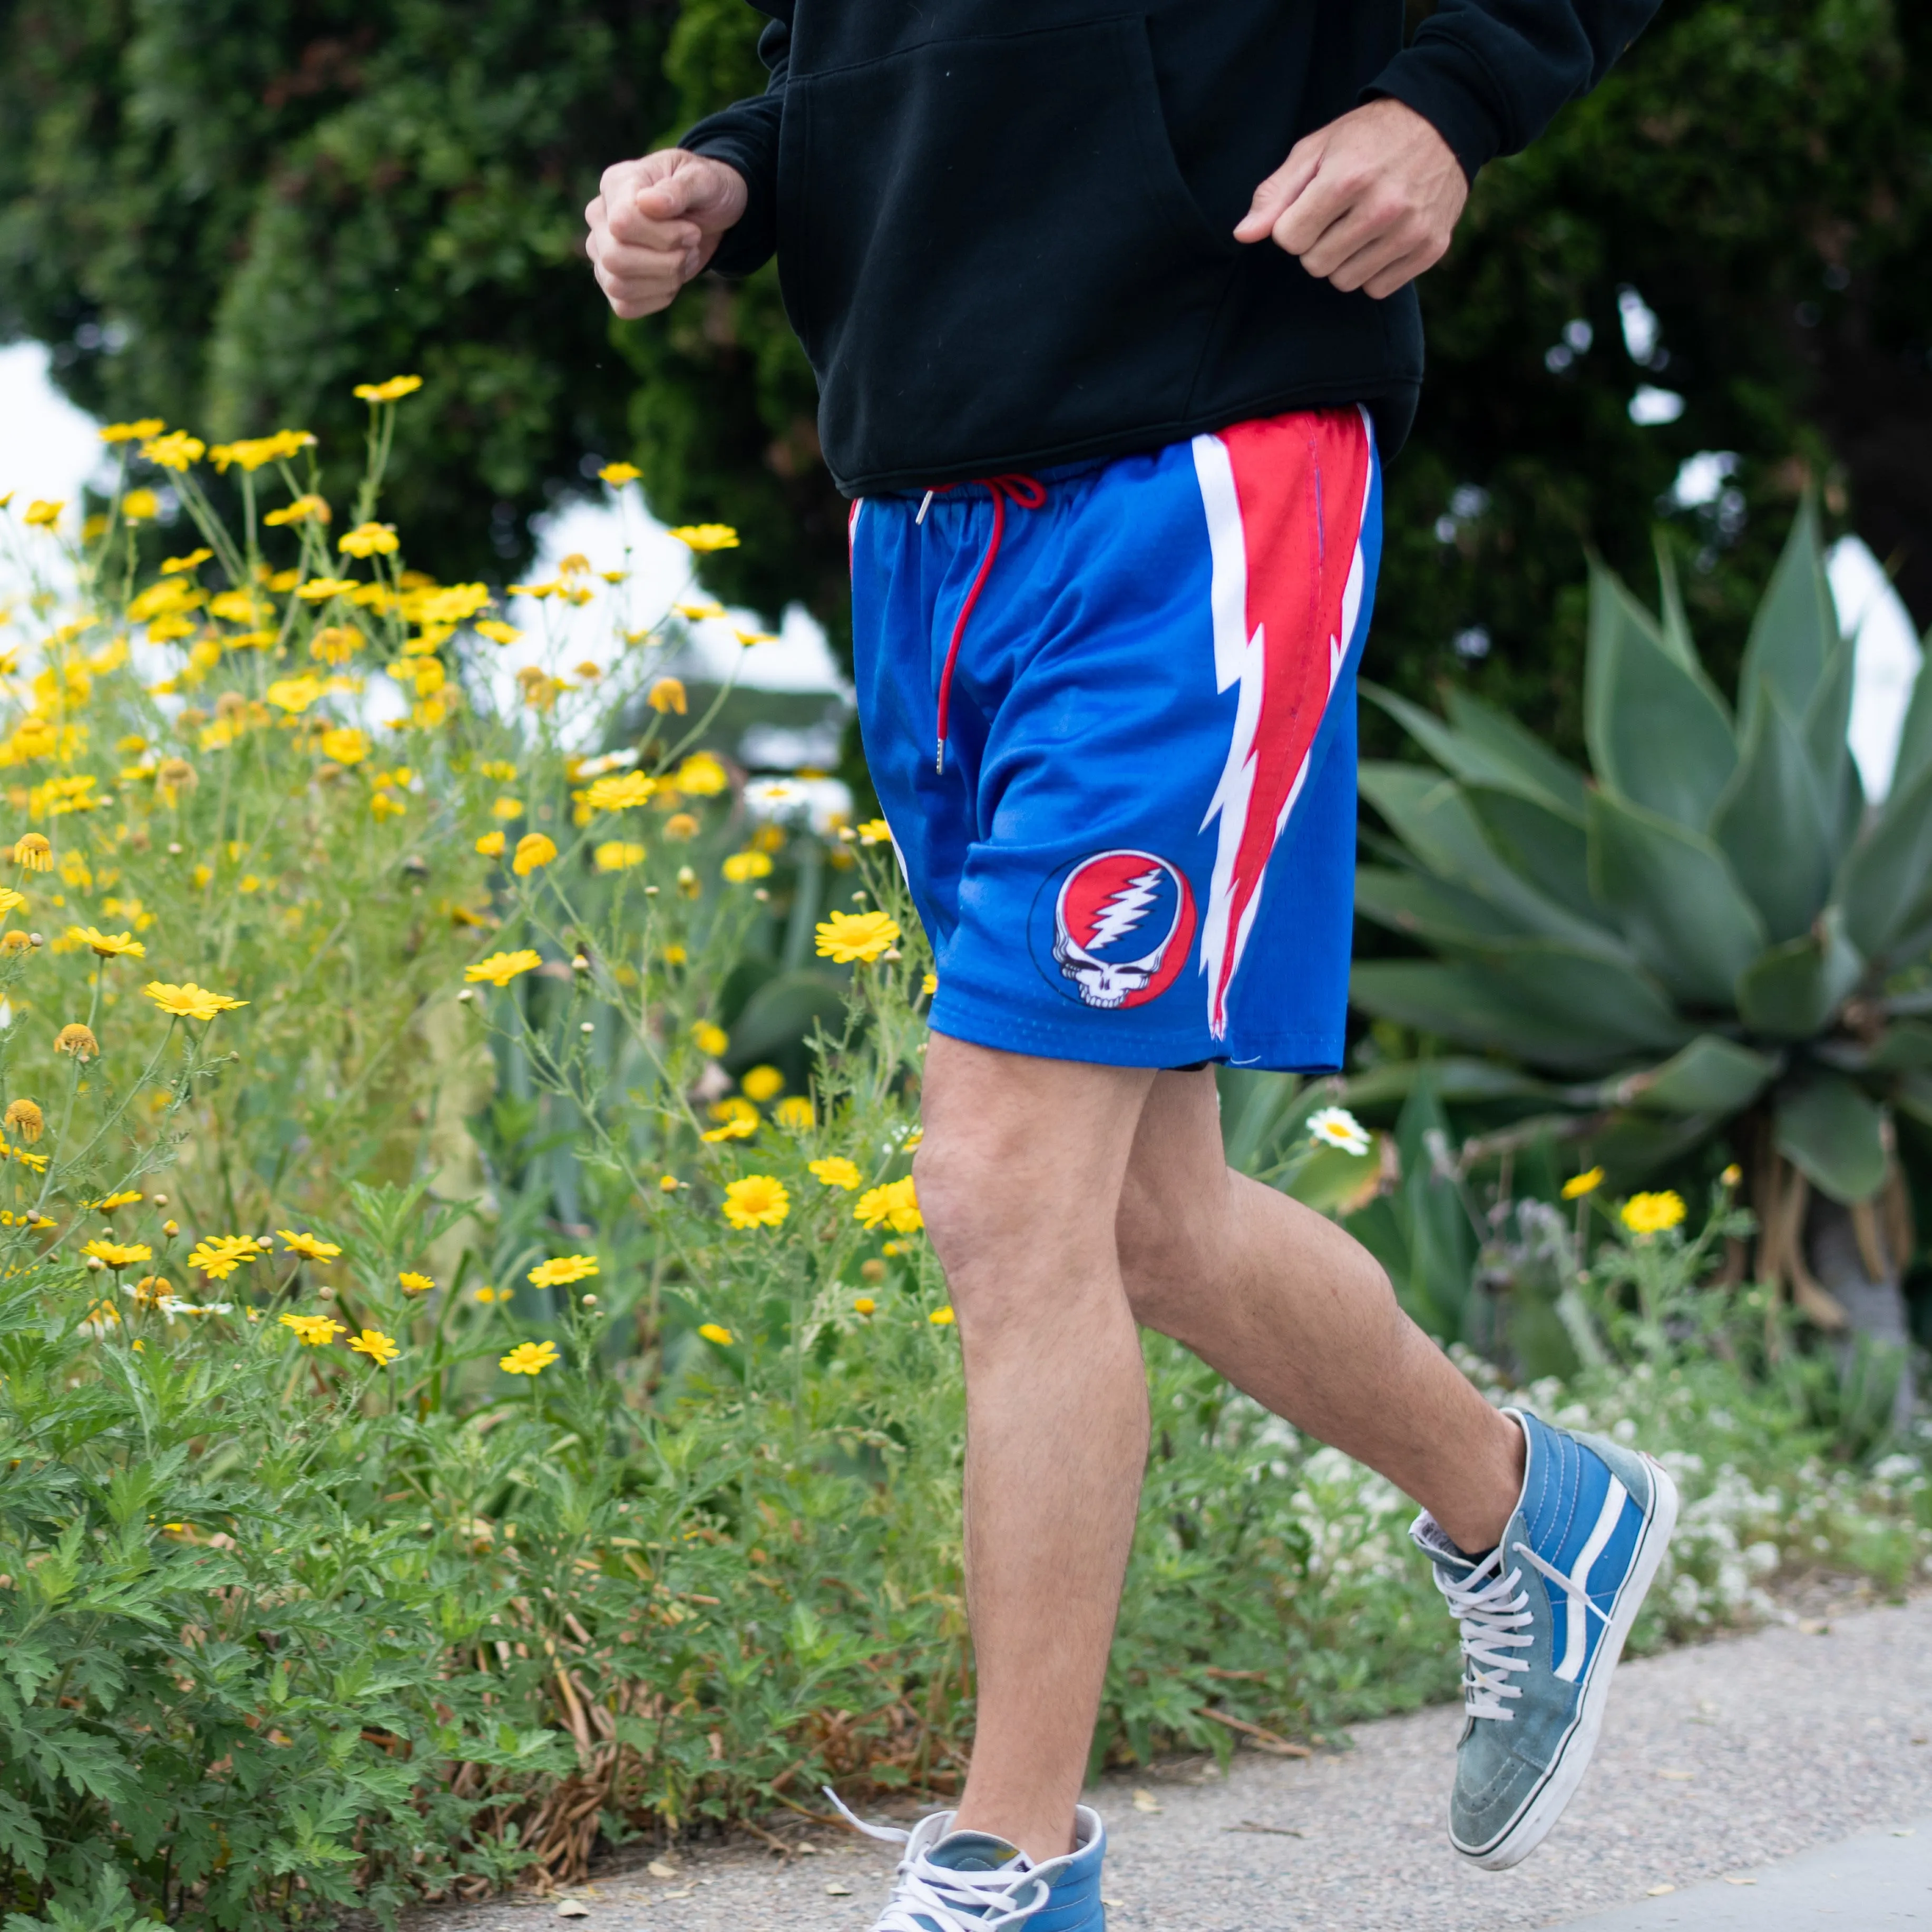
(1490, 75)
(746, 135)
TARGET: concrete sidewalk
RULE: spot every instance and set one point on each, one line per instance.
(1878, 1881)
(1716, 1763)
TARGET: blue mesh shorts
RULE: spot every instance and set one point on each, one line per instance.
(1110, 712)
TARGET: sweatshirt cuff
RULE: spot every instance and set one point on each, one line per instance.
(1450, 86)
(751, 240)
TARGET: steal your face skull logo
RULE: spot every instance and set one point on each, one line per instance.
(1123, 922)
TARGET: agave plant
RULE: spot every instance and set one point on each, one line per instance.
(1710, 931)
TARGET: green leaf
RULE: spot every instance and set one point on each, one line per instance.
(1913, 1096)
(1796, 629)
(1634, 1146)
(21, 1837)
(1886, 873)
(1462, 758)
(1546, 848)
(1487, 746)
(1539, 770)
(1792, 991)
(1550, 1004)
(1711, 1075)
(1658, 733)
(1433, 817)
(1441, 1247)
(1904, 1044)
(1914, 735)
(1675, 629)
(1676, 898)
(1827, 718)
(1426, 908)
(1261, 1114)
(1833, 1132)
(1773, 823)
(1452, 1079)
(781, 1013)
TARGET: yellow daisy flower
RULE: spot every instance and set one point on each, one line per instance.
(1646, 1214)
(500, 968)
(533, 849)
(312, 1246)
(563, 1269)
(189, 1001)
(757, 1200)
(850, 937)
(528, 1358)
(895, 1205)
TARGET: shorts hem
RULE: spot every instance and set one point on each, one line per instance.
(960, 1017)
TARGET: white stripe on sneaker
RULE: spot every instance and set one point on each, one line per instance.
(1576, 1641)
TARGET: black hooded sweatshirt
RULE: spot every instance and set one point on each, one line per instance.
(1002, 227)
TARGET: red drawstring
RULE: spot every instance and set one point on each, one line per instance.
(1030, 494)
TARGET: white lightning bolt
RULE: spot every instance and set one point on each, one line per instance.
(1239, 659)
(1125, 909)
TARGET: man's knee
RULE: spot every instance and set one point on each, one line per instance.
(960, 1183)
(1002, 1225)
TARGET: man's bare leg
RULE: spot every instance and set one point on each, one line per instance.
(1300, 1316)
(1065, 1200)
(1019, 1173)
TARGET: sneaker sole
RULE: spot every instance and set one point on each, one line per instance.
(1532, 1824)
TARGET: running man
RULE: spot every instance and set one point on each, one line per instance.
(1108, 381)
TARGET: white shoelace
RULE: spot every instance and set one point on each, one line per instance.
(1492, 1611)
(926, 1896)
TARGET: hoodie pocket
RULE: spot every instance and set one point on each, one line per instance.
(1026, 177)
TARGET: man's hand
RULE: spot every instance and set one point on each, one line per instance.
(1368, 201)
(655, 223)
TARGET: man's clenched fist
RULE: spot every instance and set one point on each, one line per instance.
(655, 224)
(1368, 201)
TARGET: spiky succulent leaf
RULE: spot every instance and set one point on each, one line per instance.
(1634, 1144)
(1826, 721)
(1833, 1132)
(1674, 626)
(1791, 991)
(1905, 1046)
(1675, 897)
(1426, 908)
(1914, 736)
(1553, 1005)
(1711, 1075)
(1659, 735)
(1548, 848)
(1913, 1095)
(1432, 816)
(1796, 629)
(1773, 822)
(1453, 1079)
(1262, 1113)
(1538, 771)
(1886, 874)
(1459, 756)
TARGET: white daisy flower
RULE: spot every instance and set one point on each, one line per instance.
(1337, 1127)
(774, 798)
(611, 761)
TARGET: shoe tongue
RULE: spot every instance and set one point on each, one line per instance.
(976, 1851)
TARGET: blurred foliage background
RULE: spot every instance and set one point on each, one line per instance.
(203, 209)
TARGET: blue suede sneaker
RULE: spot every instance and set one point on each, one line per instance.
(1544, 1615)
(951, 1881)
